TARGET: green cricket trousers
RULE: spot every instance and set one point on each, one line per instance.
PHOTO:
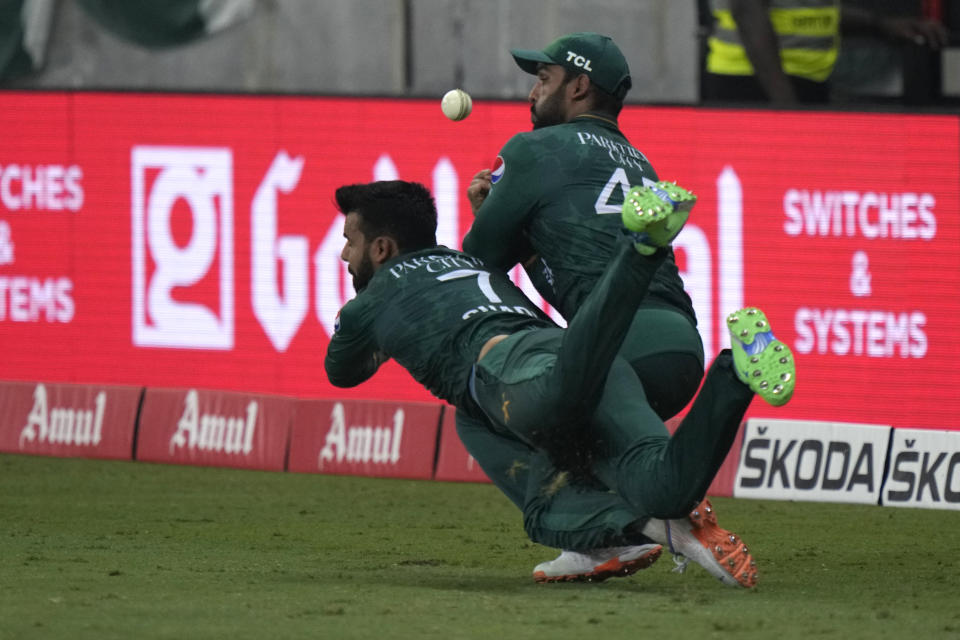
(541, 389)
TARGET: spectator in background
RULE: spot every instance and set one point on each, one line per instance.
(783, 51)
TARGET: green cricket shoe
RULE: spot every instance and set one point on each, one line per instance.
(762, 362)
(654, 215)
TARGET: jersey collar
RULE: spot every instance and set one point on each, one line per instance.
(599, 118)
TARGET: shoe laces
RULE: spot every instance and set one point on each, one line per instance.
(681, 561)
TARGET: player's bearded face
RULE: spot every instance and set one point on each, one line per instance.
(356, 252)
(548, 97)
(361, 272)
(548, 110)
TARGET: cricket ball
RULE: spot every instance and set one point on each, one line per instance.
(456, 104)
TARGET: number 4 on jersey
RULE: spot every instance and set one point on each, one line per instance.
(617, 179)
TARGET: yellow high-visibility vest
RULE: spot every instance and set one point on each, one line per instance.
(808, 32)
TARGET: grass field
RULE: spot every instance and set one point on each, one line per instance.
(95, 549)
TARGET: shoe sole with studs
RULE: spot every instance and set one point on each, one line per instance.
(656, 214)
(762, 362)
(728, 550)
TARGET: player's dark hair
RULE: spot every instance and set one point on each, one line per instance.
(404, 211)
(603, 102)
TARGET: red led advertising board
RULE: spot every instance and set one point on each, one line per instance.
(192, 241)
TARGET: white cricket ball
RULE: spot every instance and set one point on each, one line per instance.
(456, 104)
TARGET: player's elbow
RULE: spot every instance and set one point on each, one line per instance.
(340, 376)
(485, 251)
(342, 383)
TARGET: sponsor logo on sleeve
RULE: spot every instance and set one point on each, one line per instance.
(498, 169)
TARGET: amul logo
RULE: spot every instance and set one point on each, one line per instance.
(361, 443)
(214, 432)
(63, 425)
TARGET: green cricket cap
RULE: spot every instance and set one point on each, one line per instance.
(585, 52)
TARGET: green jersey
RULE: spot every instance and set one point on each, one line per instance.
(561, 189)
(431, 311)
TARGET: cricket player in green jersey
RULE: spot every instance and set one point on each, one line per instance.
(552, 202)
(472, 338)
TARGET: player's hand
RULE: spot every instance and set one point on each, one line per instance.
(479, 189)
(920, 31)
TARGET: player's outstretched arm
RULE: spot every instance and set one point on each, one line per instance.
(508, 195)
(353, 355)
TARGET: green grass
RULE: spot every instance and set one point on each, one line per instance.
(95, 549)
